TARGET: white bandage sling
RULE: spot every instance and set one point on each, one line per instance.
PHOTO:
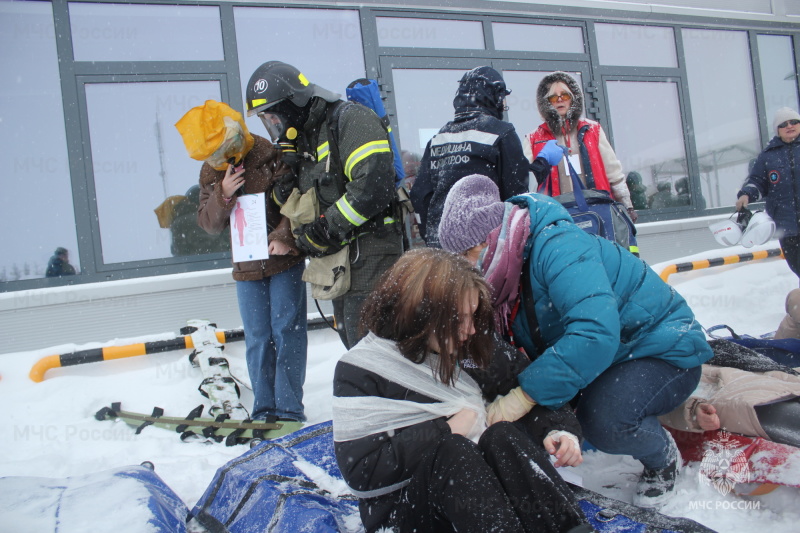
(355, 417)
(361, 416)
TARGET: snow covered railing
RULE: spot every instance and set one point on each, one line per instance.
(719, 261)
(108, 353)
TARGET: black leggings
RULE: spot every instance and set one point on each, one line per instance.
(781, 421)
(505, 483)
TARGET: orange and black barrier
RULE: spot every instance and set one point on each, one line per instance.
(95, 355)
(719, 261)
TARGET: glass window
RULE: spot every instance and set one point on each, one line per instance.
(538, 38)
(778, 74)
(330, 53)
(37, 215)
(628, 45)
(424, 99)
(140, 32)
(140, 162)
(523, 110)
(648, 140)
(723, 110)
(430, 33)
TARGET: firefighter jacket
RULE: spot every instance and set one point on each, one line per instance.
(356, 190)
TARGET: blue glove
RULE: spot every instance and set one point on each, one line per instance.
(552, 152)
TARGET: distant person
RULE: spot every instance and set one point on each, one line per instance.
(59, 266)
(411, 167)
(477, 140)
(188, 238)
(637, 189)
(560, 101)
(411, 163)
(598, 323)
(271, 292)
(684, 195)
(663, 196)
(410, 428)
(775, 176)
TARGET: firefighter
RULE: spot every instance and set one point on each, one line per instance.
(343, 181)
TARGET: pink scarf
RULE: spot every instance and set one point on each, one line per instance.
(502, 262)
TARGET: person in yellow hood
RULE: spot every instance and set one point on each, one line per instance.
(271, 293)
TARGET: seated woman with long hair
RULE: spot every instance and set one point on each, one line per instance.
(410, 425)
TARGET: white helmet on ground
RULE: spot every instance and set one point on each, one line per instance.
(758, 230)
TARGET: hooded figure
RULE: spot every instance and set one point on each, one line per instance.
(663, 196)
(560, 101)
(684, 194)
(637, 189)
(476, 141)
(188, 238)
(58, 265)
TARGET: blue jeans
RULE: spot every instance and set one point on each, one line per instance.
(274, 316)
(618, 411)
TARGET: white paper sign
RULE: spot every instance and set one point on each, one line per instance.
(575, 159)
(249, 228)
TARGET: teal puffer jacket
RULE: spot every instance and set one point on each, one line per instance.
(597, 305)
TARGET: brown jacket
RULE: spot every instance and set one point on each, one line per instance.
(262, 167)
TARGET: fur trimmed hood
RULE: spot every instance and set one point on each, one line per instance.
(546, 109)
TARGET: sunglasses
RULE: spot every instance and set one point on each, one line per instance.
(793, 122)
(565, 97)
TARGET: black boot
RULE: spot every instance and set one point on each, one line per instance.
(656, 484)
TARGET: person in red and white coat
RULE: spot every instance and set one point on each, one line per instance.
(560, 101)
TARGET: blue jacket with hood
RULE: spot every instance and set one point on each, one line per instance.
(597, 305)
(775, 177)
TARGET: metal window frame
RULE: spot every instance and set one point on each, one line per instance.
(73, 74)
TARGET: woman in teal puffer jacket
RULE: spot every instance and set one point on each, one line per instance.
(601, 327)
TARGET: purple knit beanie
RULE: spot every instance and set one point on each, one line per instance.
(471, 211)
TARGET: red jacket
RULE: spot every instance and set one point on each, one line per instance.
(591, 160)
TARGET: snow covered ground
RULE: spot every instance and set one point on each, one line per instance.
(48, 429)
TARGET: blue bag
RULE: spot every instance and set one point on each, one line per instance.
(597, 213)
(367, 93)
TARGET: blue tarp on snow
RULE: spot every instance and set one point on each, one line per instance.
(286, 485)
(119, 501)
(270, 489)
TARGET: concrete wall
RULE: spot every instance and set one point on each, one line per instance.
(101, 312)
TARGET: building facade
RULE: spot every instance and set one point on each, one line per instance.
(685, 90)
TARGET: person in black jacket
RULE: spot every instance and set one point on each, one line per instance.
(476, 141)
(410, 427)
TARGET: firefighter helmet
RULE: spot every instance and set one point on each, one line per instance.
(275, 81)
